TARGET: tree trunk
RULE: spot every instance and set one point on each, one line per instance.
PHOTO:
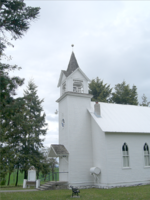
(17, 177)
(9, 178)
(37, 175)
(25, 174)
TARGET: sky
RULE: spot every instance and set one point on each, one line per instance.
(111, 41)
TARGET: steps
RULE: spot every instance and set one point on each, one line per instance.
(54, 185)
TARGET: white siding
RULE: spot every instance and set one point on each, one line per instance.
(136, 173)
(76, 136)
(99, 152)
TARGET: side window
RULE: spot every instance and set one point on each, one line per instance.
(125, 155)
(146, 155)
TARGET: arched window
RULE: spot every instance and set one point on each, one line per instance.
(146, 155)
(125, 155)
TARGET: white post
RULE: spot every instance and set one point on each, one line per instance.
(38, 183)
(25, 183)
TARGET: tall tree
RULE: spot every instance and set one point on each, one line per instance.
(33, 127)
(124, 94)
(15, 19)
(144, 101)
(99, 90)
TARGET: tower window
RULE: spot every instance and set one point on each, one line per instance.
(78, 86)
(146, 155)
(125, 155)
(64, 88)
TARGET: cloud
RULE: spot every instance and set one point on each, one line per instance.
(111, 38)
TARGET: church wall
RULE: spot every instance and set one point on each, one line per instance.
(63, 137)
(79, 137)
(62, 81)
(137, 173)
(99, 153)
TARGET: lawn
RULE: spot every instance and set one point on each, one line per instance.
(21, 177)
(126, 193)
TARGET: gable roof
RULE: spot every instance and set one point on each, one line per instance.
(122, 118)
(57, 150)
(72, 67)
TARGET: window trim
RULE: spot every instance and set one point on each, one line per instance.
(127, 156)
(146, 155)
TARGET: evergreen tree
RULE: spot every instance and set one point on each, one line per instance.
(100, 91)
(15, 19)
(33, 127)
(144, 101)
(124, 94)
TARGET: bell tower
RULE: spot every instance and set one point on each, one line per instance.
(73, 79)
(74, 124)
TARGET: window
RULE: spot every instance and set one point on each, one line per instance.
(125, 155)
(78, 86)
(64, 88)
(146, 155)
(63, 123)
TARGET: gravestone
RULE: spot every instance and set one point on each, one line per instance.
(31, 178)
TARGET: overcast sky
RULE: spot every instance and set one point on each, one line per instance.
(111, 38)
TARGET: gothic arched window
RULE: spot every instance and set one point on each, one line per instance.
(146, 155)
(125, 155)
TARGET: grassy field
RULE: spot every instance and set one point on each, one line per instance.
(21, 177)
(128, 193)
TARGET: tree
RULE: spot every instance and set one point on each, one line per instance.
(15, 19)
(99, 90)
(144, 101)
(124, 94)
(48, 164)
(32, 128)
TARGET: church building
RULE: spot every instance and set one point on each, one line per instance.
(100, 144)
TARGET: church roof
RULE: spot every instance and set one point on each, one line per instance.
(57, 150)
(122, 118)
(72, 66)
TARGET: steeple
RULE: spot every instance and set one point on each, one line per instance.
(72, 66)
(73, 79)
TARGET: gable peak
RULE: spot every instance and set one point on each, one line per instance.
(72, 66)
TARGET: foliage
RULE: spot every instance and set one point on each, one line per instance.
(15, 19)
(48, 164)
(33, 127)
(100, 91)
(144, 101)
(124, 94)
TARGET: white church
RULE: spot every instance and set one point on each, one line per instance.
(100, 144)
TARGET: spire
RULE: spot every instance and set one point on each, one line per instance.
(72, 66)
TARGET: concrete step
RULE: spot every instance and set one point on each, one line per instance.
(52, 185)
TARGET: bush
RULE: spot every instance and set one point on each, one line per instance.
(3, 182)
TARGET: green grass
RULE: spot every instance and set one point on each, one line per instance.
(11, 187)
(21, 177)
(126, 193)
(13, 178)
